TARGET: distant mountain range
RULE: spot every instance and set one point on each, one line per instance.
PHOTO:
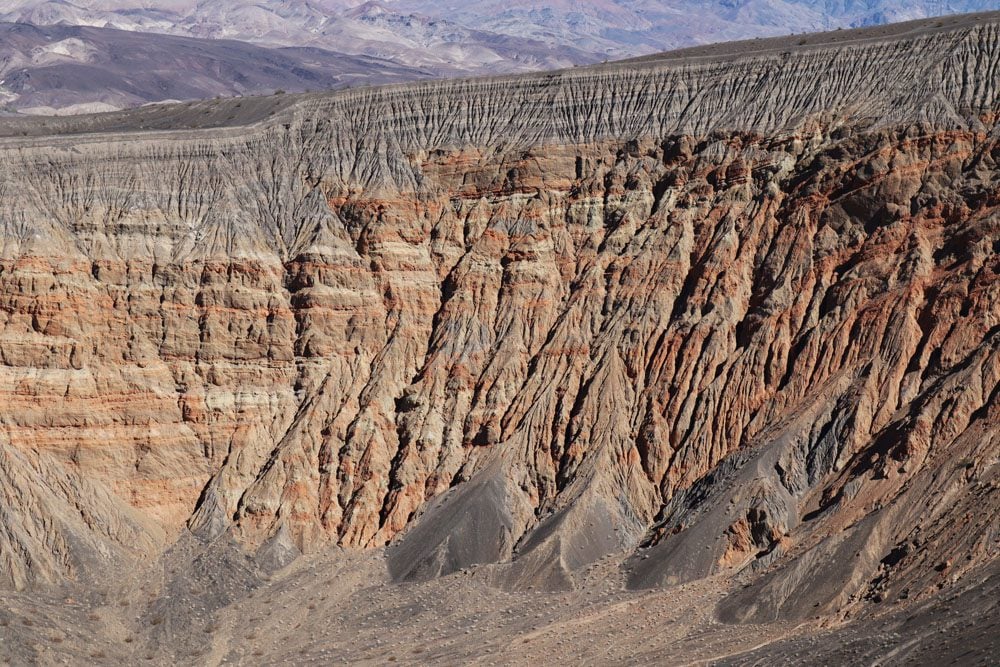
(85, 54)
(79, 69)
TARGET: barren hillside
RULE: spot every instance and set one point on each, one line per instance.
(695, 357)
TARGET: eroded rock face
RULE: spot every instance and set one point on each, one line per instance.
(740, 312)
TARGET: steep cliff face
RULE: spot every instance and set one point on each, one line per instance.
(736, 311)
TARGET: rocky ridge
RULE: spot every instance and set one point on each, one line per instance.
(733, 313)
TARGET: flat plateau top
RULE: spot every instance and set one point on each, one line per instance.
(248, 111)
(726, 51)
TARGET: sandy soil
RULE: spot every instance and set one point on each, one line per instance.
(211, 605)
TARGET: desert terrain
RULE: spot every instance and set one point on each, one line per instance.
(693, 359)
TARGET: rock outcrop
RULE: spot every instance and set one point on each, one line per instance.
(738, 311)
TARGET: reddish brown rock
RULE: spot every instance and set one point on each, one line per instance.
(741, 311)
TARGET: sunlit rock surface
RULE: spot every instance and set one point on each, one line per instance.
(731, 314)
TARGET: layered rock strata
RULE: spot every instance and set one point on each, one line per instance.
(738, 312)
